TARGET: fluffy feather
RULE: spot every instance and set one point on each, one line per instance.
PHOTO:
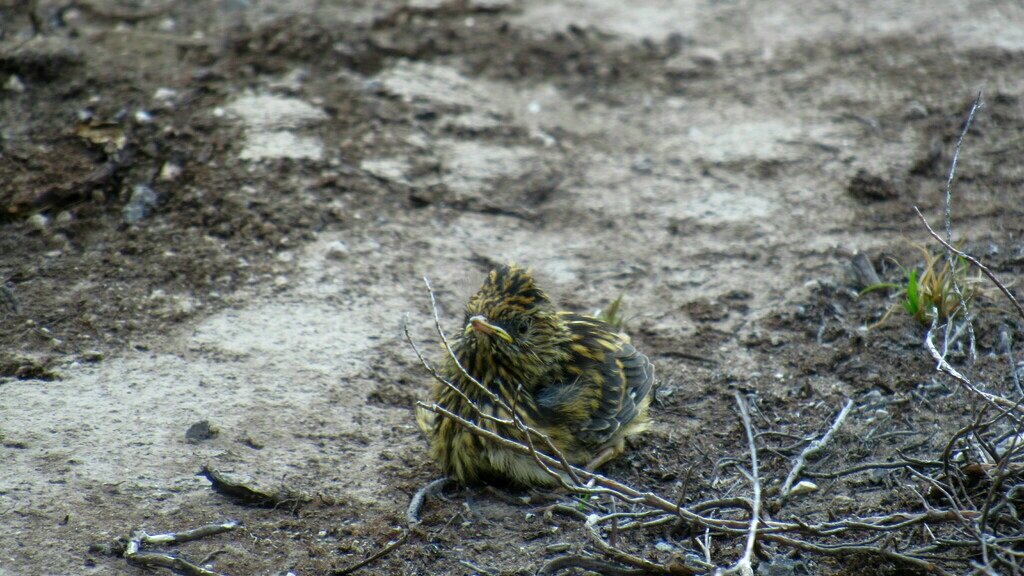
(583, 383)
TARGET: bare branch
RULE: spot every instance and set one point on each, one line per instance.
(813, 449)
(387, 549)
(949, 222)
(134, 554)
(743, 565)
(943, 366)
(412, 513)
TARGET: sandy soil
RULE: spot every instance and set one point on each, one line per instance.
(312, 162)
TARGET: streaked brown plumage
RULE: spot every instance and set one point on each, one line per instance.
(583, 383)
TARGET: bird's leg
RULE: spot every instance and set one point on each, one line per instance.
(603, 457)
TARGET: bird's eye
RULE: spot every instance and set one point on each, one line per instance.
(522, 327)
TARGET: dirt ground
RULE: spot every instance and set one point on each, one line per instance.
(222, 210)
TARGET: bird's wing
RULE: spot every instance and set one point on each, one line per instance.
(627, 381)
(613, 381)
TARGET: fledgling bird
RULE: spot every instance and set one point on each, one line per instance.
(582, 383)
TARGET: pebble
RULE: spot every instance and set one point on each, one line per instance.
(337, 250)
(170, 172)
(803, 487)
(143, 198)
(39, 221)
(706, 57)
(200, 431)
(14, 84)
(164, 93)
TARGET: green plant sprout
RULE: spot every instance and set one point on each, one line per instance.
(930, 294)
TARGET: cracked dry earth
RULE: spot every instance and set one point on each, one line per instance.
(313, 162)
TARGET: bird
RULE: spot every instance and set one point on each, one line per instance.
(572, 377)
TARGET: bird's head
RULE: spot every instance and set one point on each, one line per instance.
(513, 322)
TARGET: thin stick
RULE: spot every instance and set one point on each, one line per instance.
(160, 560)
(412, 513)
(943, 366)
(134, 554)
(628, 559)
(813, 449)
(189, 535)
(743, 565)
(952, 168)
(587, 563)
(949, 220)
(376, 556)
(845, 549)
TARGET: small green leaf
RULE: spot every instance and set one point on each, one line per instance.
(912, 304)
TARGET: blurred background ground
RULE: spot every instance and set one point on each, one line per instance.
(221, 210)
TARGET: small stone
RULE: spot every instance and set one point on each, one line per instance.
(14, 84)
(337, 250)
(707, 57)
(201, 431)
(280, 281)
(142, 200)
(664, 546)
(803, 487)
(92, 356)
(170, 172)
(39, 221)
(63, 218)
(164, 93)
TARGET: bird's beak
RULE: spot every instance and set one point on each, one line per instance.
(480, 325)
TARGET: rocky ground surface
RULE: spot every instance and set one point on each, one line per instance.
(221, 211)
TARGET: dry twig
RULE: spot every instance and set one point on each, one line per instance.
(387, 549)
(813, 449)
(743, 566)
(949, 222)
(134, 554)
